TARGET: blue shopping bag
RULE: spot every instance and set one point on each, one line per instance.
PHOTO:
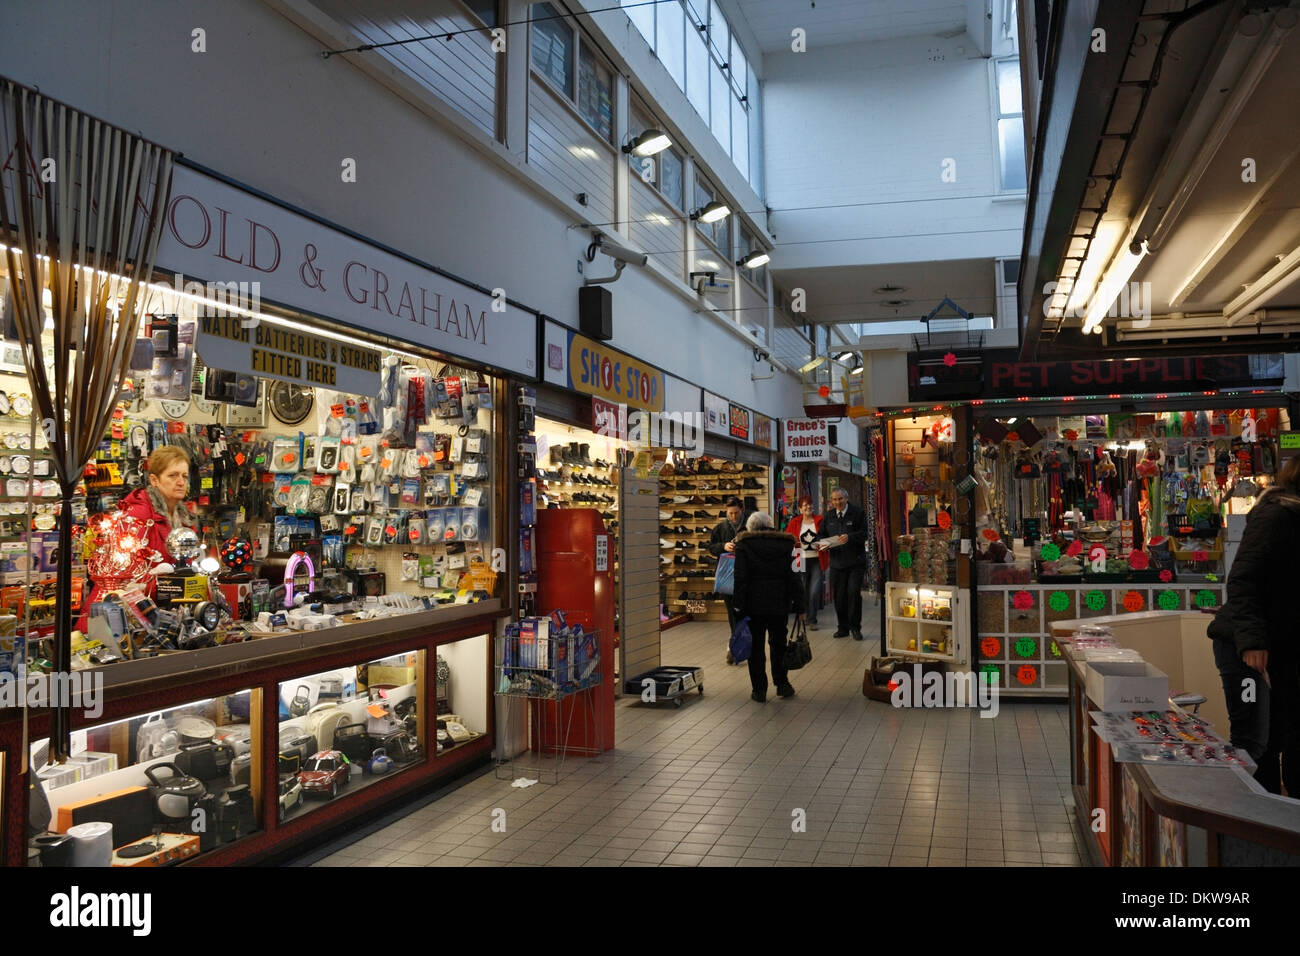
(724, 579)
(742, 642)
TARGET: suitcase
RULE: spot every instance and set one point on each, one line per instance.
(354, 742)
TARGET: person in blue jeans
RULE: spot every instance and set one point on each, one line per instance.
(806, 528)
(1256, 642)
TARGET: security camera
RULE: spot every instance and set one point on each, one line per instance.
(760, 355)
(615, 251)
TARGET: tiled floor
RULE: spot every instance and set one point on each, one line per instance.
(724, 781)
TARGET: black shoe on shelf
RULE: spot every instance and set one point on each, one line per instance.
(682, 544)
(681, 529)
(703, 531)
(751, 484)
(686, 560)
(664, 529)
(698, 514)
(681, 514)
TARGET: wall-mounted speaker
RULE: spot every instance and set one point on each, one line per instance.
(596, 312)
(833, 434)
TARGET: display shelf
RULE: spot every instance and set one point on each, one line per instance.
(908, 635)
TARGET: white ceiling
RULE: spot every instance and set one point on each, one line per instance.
(829, 22)
(847, 293)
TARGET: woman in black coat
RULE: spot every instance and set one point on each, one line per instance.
(768, 588)
(1257, 637)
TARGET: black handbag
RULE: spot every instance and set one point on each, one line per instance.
(798, 651)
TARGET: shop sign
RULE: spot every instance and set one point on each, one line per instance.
(717, 415)
(290, 355)
(1005, 377)
(762, 431)
(839, 459)
(609, 419)
(807, 440)
(739, 422)
(224, 235)
(595, 369)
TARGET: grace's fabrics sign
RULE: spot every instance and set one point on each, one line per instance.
(807, 440)
(221, 234)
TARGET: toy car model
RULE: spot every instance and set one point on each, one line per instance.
(324, 772)
(290, 793)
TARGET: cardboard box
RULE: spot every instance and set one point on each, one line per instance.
(1121, 686)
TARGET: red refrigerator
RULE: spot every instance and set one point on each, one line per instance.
(575, 574)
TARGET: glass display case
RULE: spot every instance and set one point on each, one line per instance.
(343, 730)
(155, 789)
(461, 687)
(926, 621)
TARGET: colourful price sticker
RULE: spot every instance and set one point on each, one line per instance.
(990, 647)
(1027, 675)
(1166, 575)
(1074, 549)
(994, 672)
(1199, 555)
(1139, 560)
(1212, 577)
(1022, 600)
(990, 534)
(1050, 552)
(1071, 434)
(905, 560)
(1206, 599)
(1027, 647)
(1167, 600)
(1059, 601)
(944, 520)
(1096, 600)
(1056, 651)
(1133, 601)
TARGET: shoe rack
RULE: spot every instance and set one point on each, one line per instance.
(573, 479)
(693, 502)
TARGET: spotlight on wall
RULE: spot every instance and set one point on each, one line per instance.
(712, 212)
(754, 259)
(845, 356)
(648, 142)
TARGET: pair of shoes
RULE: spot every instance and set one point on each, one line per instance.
(857, 635)
(730, 659)
(840, 633)
(784, 690)
(760, 697)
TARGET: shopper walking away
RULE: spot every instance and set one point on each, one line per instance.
(806, 528)
(1256, 644)
(768, 589)
(721, 542)
(845, 526)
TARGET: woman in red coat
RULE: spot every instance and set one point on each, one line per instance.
(161, 505)
(806, 528)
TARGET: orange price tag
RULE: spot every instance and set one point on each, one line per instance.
(336, 411)
(385, 463)
(424, 461)
(990, 534)
(1133, 601)
(944, 520)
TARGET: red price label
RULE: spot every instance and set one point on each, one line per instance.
(1074, 549)
(1133, 601)
(990, 647)
(990, 534)
(944, 520)
(1139, 560)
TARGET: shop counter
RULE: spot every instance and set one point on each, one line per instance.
(1139, 814)
(407, 700)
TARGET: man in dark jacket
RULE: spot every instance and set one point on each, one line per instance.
(846, 526)
(721, 542)
(1256, 645)
(767, 589)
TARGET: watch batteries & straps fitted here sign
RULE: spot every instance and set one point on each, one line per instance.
(291, 355)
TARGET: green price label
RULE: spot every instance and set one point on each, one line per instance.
(1212, 577)
(905, 560)
(1058, 601)
(995, 674)
(1056, 651)
(1168, 600)
(1206, 599)
(1096, 600)
(1027, 647)
(1051, 552)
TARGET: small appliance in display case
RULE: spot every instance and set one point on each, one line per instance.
(927, 621)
